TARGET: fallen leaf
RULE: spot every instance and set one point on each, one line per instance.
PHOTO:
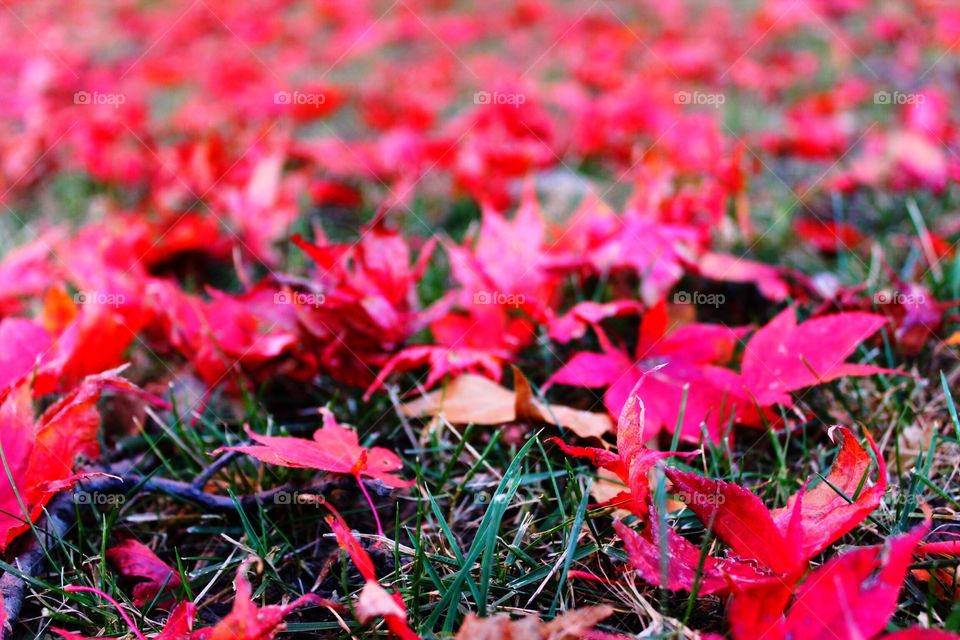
(137, 561)
(374, 600)
(785, 539)
(506, 258)
(828, 236)
(680, 367)
(41, 453)
(334, 448)
(632, 462)
(247, 621)
(727, 268)
(480, 340)
(851, 596)
(942, 579)
(571, 625)
(178, 626)
(768, 548)
(478, 400)
(913, 440)
(574, 324)
(364, 298)
(23, 343)
(675, 563)
(783, 356)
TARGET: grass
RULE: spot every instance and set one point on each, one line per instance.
(497, 519)
(468, 541)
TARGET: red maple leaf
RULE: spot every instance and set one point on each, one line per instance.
(598, 241)
(783, 356)
(481, 341)
(334, 448)
(367, 303)
(23, 346)
(66, 343)
(785, 539)
(227, 333)
(675, 563)
(851, 596)
(27, 271)
(137, 561)
(41, 453)
(768, 279)
(667, 361)
(828, 236)
(507, 259)
(374, 600)
(263, 206)
(768, 547)
(633, 461)
(246, 621)
(574, 323)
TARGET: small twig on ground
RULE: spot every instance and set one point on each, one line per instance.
(178, 489)
(52, 526)
(204, 477)
(60, 517)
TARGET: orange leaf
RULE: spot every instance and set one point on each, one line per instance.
(475, 399)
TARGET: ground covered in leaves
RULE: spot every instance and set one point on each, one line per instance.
(522, 319)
